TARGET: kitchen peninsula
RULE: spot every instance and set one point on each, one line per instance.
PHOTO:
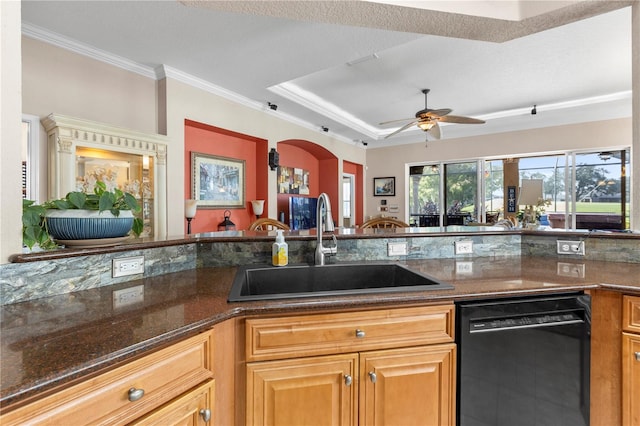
(53, 342)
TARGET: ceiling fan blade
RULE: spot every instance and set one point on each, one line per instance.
(460, 120)
(432, 113)
(439, 112)
(395, 121)
(405, 127)
(435, 131)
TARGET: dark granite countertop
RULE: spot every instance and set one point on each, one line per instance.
(52, 342)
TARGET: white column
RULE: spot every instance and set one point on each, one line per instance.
(635, 120)
(160, 195)
(10, 129)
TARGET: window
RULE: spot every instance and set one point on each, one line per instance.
(424, 195)
(594, 185)
(459, 194)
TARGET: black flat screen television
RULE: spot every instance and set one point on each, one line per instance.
(302, 212)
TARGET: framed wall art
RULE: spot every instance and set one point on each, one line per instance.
(292, 180)
(217, 182)
(384, 186)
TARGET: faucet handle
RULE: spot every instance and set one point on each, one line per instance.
(334, 249)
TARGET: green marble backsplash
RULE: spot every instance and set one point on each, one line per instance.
(33, 280)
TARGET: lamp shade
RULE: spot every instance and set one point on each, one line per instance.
(258, 207)
(190, 207)
(530, 192)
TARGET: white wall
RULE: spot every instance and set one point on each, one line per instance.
(391, 161)
(59, 81)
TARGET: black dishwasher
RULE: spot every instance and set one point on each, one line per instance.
(524, 361)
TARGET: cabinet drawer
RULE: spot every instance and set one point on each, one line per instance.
(104, 399)
(194, 408)
(317, 334)
(631, 314)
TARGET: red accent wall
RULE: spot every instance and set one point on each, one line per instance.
(322, 167)
(356, 169)
(212, 140)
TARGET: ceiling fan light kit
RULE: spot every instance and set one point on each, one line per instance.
(427, 119)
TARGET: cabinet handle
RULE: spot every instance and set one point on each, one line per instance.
(205, 413)
(135, 394)
(373, 377)
(359, 333)
(348, 380)
(637, 355)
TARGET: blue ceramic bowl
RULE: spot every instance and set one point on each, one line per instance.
(83, 228)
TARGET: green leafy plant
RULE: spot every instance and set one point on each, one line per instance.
(34, 224)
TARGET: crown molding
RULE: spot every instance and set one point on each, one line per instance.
(38, 33)
(158, 73)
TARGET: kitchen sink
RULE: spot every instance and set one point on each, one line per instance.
(254, 282)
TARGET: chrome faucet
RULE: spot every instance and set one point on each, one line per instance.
(324, 223)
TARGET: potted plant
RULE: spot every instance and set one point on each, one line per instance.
(98, 215)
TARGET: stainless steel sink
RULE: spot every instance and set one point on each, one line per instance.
(270, 282)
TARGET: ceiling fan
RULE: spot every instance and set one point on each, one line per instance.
(427, 119)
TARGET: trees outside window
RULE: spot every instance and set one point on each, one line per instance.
(591, 183)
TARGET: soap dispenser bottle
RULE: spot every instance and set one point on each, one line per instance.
(280, 253)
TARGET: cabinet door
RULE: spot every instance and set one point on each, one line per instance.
(194, 408)
(413, 386)
(305, 391)
(630, 379)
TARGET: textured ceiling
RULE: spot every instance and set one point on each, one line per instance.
(349, 65)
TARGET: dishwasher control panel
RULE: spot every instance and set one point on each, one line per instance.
(476, 326)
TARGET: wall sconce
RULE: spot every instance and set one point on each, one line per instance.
(258, 207)
(190, 207)
(226, 224)
(274, 159)
(534, 111)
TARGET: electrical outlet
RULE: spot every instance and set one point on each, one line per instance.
(464, 268)
(570, 247)
(127, 266)
(464, 247)
(128, 296)
(575, 270)
(396, 249)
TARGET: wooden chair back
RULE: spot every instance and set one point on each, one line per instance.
(384, 222)
(266, 224)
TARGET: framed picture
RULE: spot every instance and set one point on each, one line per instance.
(218, 182)
(384, 186)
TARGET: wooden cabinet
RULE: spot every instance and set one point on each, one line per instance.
(195, 408)
(411, 386)
(125, 393)
(631, 361)
(303, 391)
(393, 366)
